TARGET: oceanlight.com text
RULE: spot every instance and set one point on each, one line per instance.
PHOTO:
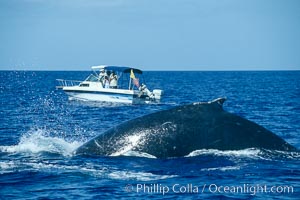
(252, 189)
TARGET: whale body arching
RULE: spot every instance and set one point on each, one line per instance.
(181, 130)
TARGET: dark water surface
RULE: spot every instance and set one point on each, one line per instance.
(40, 128)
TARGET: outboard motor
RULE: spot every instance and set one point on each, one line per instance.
(156, 94)
(144, 90)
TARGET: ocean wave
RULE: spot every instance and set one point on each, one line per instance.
(249, 153)
(134, 154)
(86, 169)
(7, 167)
(252, 153)
(37, 141)
(140, 176)
(95, 170)
(227, 168)
(245, 153)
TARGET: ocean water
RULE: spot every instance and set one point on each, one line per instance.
(40, 129)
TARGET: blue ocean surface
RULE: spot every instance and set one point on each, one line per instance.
(40, 128)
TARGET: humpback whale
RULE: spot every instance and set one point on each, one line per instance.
(180, 130)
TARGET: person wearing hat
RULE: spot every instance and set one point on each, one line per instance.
(113, 80)
(102, 76)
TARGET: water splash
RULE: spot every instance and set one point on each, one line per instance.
(38, 141)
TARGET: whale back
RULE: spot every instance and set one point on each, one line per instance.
(179, 131)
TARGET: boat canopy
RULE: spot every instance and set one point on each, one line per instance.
(98, 67)
(118, 69)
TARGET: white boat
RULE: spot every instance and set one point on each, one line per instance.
(125, 87)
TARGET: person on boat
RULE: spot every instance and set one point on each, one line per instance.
(113, 80)
(106, 82)
(102, 75)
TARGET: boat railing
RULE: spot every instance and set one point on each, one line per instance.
(66, 83)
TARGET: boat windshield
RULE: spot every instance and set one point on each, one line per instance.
(92, 78)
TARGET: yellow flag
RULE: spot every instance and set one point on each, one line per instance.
(132, 74)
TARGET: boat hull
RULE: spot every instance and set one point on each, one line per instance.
(99, 97)
(103, 95)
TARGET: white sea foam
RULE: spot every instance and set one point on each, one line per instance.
(138, 154)
(36, 142)
(227, 168)
(140, 176)
(7, 167)
(102, 172)
(249, 153)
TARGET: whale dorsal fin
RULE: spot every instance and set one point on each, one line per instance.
(219, 101)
